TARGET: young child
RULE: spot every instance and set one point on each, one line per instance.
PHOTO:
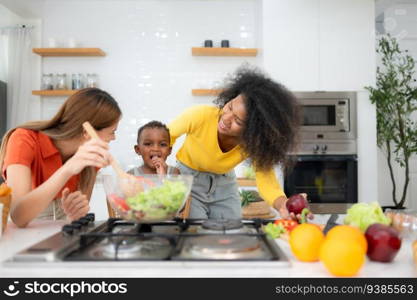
(153, 144)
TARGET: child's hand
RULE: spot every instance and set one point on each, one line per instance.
(160, 165)
(75, 205)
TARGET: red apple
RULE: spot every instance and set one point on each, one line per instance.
(296, 203)
(383, 242)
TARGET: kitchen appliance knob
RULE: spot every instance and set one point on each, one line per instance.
(91, 217)
(83, 221)
(323, 148)
(316, 148)
(76, 225)
(67, 229)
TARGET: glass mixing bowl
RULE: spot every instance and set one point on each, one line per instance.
(148, 198)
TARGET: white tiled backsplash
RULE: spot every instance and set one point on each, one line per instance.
(148, 68)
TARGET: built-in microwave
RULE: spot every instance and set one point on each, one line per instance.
(328, 115)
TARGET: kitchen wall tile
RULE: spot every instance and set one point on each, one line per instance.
(149, 68)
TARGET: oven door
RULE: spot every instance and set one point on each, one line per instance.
(325, 178)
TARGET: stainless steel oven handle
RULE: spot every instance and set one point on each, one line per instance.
(327, 158)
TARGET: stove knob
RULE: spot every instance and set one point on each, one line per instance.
(67, 229)
(316, 148)
(323, 148)
(83, 221)
(91, 217)
(76, 225)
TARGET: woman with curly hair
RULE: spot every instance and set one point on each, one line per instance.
(255, 118)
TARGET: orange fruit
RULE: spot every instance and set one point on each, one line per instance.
(346, 232)
(342, 257)
(305, 242)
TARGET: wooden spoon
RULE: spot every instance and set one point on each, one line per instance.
(129, 190)
(92, 133)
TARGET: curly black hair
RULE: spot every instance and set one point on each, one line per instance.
(153, 124)
(272, 117)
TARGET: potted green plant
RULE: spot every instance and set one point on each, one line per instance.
(395, 97)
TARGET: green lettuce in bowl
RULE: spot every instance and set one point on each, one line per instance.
(160, 198)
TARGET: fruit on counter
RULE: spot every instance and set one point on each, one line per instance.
(5, 190)
(362, 215)
(274, 231)
(288, 225)
(343, 251)
(296, 203)
(342, 257)
(346, 232)
(305, 241)
(383, 242)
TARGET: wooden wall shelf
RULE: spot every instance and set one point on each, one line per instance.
(69, 51)
(246, 182)
(205, 92)
(203, 51)
(53, 93)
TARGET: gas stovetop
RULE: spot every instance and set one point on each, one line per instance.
(117, 240)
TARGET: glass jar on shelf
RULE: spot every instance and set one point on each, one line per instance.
(61, 81)
(92, 80)
(47, 82)
(77, 81)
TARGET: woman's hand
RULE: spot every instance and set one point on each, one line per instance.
(279, 205)
(75, 205)
(93, 153)
(160, 165)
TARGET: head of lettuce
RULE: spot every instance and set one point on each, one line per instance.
(362, 215)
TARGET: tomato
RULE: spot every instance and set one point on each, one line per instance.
(287, 224)
(120, 202)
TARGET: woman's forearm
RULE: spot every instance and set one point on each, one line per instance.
(28, 205)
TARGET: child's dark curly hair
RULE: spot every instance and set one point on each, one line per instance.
(153, 124)
(272, 117)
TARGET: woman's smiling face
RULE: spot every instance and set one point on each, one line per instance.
(233, 116)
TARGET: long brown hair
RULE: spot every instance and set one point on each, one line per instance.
(90, 104)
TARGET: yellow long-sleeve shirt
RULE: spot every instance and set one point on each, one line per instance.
(201, 150)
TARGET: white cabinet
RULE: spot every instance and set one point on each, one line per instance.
(319, 44)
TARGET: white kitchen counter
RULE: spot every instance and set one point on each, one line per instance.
(15, 239)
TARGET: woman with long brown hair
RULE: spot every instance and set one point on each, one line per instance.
(51, 165)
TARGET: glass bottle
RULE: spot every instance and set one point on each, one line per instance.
(92, 80)
(47, 82)
(61, 81)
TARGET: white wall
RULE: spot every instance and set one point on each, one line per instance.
(399, 20)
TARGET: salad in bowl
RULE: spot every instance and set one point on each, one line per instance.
(148, 198)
